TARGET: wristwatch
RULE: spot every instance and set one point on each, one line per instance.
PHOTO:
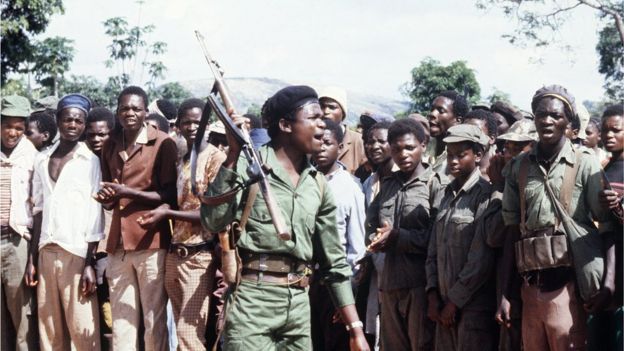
(356, 324)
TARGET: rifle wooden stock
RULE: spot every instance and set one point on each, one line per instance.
(255, 169)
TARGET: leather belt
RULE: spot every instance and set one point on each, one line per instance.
(298, 280)
(6, 232)
(280, 264)
(186, 250)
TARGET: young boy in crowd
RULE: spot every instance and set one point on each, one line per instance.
(68, 224)
(399, 221)
(605, 327)
(41, 129)
(19, 324)
(334, 106)
(190, 268)
(100, 124)
(486, 121)
(552, 314)
(139, 173)
(350, 216)
(460, 280)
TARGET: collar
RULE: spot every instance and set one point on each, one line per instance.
(423, 177)
(341, 167)
(23, 147)
(82, 150)
(470, 183)
(566, 153)
(267, 153)
(144, 136)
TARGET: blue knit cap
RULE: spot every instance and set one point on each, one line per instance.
(78, 101)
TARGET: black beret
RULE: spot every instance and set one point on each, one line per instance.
(287, 100)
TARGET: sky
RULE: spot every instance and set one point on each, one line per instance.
(363, 45)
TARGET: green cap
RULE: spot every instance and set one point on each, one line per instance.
(46, 103)
(15, 106)
(523, 130)
(466, 132)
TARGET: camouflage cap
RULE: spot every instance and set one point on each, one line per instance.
(15, 106)
(466, 132)
(522, 130)
(46, 103)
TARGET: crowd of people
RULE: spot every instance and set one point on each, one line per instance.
(479, 227)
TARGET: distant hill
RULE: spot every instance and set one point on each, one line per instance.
(248, 91)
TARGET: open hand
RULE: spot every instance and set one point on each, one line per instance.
(152, 218)
(383, 238)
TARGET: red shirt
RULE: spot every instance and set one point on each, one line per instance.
(150, 167)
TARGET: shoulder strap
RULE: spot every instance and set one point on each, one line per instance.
(320, 180)
(251, 198)
(569, 179)
(522, 183)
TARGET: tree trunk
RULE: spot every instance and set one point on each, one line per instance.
(619, 26)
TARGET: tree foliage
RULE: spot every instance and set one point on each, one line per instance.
(430, 78)
(131, 54)
(101, 94)
(21, 20)
(172, 91)
(51, 61)
(611, 64)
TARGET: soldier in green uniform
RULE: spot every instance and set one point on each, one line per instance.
(552, 312)
(269, 308)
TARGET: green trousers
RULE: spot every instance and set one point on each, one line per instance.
(263, 316)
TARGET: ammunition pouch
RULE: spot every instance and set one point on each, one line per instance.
(542, 249)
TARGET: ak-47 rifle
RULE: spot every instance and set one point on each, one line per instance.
(256, 171)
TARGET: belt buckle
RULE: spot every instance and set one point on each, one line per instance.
(262, 266)
(182, 251)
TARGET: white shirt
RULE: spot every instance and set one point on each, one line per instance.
(22, 159)
(350, 214)
(71, 217)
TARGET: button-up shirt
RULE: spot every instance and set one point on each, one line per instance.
(459, 262)
(209, 161)
(309, 216)
(21, 161)
(409, 207)
(150, 167)
(71, 217)
(350, 214)
(540, 211)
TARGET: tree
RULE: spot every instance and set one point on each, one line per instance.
(611, 63)
(21, 20)
(51, 60)
(127, 47)
(430, 78)
(100, 94)
(539, 21)
(173, 92)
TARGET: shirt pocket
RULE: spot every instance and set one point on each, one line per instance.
(460, 230)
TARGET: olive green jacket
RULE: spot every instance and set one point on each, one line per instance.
(310, 217)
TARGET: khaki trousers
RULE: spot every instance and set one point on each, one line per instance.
(552, 320)
(404, 322)
(66, 316)
(136, 281)
(189, 283)
(17, 320)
